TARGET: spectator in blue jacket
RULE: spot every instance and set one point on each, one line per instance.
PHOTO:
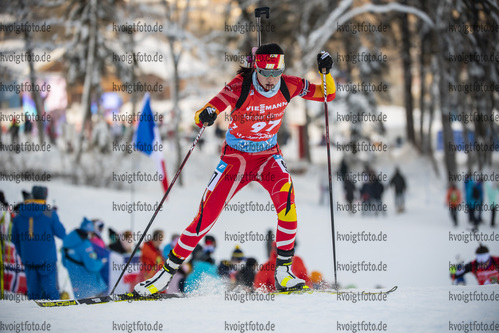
(492, 190)
(82, 263)
(100, 248)
(33, 233)
(475, 202)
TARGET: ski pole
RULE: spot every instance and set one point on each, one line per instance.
(328, 147)
(159, 206)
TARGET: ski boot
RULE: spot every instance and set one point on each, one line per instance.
(284, 278)
(161, 279)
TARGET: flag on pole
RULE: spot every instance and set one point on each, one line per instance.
(148, 140)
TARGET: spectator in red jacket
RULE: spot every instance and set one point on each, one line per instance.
(453, 200)
(264, 279)
(152, 257)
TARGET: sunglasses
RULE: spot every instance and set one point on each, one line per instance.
(269, 72)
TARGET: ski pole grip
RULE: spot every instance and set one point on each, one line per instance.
(323, 70)
(262, 10)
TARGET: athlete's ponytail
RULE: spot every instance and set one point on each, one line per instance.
(245, 71)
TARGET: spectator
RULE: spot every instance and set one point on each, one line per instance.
(121, 243)
(100, 248)
(97, 235)
(28, 127)
(467, 189)
(26, 196)
(210, 244)
(82, 263)
(400, 186)
(33, 235)
(14, 131)
(152, 259)
(377, 194)
(168, 247)
(475, 197)
(246, 277)
(366, 195)
(228, 269)
(342, 172)
(12, 272)
(350, 189)
(492, 190)
(453, 200)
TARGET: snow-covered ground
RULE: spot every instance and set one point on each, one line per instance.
(416, 253)
(409, 309)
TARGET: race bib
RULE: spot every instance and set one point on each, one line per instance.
(217, 174)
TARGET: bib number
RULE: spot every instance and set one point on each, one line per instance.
(257, 127)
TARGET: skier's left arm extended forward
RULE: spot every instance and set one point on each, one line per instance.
(314, 92)
(229, 95)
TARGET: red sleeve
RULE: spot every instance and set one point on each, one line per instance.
(229, 95)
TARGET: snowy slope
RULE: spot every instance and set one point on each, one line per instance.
(417, 253)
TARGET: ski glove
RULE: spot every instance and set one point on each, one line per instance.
(208, 115)
(324, 60)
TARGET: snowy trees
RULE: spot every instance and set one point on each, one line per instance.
(442, 56)
(461, 69)
(28, 12)
(176, 20)
(89, 51)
